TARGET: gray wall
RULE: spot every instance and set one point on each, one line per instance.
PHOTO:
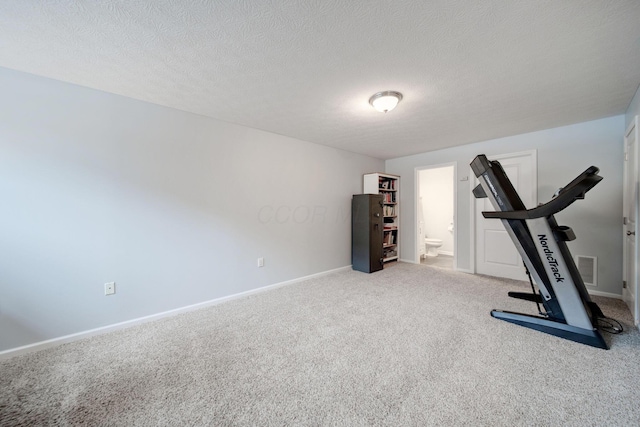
(634, 109)
(562, 153)
(174, 207)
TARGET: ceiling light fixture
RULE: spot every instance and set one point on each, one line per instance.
(385, 101)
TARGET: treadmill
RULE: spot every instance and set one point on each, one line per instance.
(568, 310)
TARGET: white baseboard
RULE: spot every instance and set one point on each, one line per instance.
(7, 354)
(449, 253)
(604, 294)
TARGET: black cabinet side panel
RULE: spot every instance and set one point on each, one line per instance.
(366, 232)
(376, 228)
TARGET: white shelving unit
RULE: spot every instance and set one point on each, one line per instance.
(389, 187)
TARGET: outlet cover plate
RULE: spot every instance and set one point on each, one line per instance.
(110, 288)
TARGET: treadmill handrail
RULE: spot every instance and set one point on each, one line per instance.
(575, 190)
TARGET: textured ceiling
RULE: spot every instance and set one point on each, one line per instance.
(469, 70)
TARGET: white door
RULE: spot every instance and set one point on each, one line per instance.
(630, 207)
(496, 255)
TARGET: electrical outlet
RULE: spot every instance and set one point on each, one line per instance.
(260, 262)
(110, 288)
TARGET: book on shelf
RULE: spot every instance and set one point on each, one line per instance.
(389, 197)
(389, 238)
(388, 253)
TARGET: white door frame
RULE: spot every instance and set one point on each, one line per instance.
(633, 128)
(416, 199)
(474, 182)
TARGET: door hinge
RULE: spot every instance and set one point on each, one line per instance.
(624, 220)
(624, 284)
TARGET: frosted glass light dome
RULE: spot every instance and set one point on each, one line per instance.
(385, 101)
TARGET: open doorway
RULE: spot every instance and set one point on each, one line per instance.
(435, 216)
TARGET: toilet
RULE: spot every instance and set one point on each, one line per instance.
(432, 246)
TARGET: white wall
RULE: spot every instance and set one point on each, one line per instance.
(174, 207)
(563, 153)
(436, 190)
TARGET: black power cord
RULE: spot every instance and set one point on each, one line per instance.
(609, 325)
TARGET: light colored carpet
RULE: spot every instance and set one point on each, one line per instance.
(411, 345)
(442, 261)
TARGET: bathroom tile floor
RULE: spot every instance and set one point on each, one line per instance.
(442, 261)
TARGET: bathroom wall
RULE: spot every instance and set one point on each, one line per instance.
(436, 190)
